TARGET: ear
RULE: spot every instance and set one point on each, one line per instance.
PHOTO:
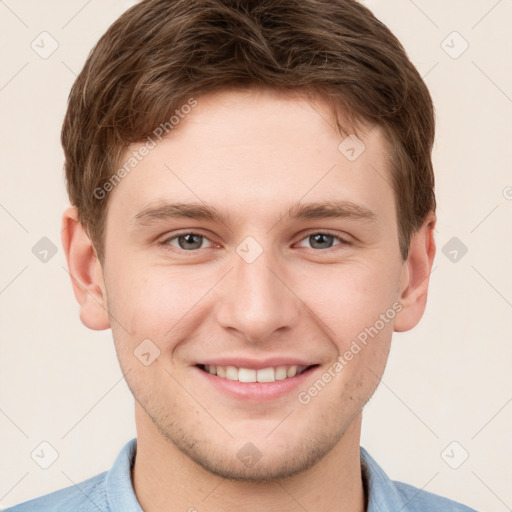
(415, 276)
(85, 271)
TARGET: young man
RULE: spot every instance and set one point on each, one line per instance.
(253, 215)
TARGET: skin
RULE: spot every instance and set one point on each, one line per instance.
(251, 154)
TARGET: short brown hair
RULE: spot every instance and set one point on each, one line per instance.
(161, 53)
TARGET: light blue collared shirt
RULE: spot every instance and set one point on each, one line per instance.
(112, 491)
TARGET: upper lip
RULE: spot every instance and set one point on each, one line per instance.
(256, 364)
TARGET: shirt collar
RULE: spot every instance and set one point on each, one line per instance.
(118, 483)
(382, 494)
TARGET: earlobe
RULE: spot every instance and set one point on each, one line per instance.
(85, 271)
(415, 276)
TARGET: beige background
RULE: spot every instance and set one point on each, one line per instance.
(447, 380)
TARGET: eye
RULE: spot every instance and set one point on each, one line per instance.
(187, 241)
(190, 242)
(324, 240)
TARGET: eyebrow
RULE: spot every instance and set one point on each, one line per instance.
(298, 211)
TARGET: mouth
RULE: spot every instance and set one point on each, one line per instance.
(255, 379)
(260, 375)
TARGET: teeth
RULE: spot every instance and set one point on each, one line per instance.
(250, 375)
(231, 373)
(266, 375)
(291, 372)
(281, 373)
(246, 375)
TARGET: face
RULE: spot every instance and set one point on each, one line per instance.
(281, 253)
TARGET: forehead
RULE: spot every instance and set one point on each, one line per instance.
(251, 152)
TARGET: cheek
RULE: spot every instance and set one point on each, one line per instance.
(155, 302)
(351, 297)
(354, 303)
(161, 303)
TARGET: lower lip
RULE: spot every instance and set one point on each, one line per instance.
(259, 391)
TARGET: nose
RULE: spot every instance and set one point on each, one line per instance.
(255, 299)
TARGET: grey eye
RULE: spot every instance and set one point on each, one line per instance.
(321, 241)
(324, 240)
(190, 241)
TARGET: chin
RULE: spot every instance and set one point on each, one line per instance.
(262, 461)
(270, 467)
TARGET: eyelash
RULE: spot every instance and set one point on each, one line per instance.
(166, 245)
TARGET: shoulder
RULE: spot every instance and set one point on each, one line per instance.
(386, 495)
(87, 496)
(109, 490)
(418, 500)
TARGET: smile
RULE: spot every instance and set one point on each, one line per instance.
(270, 374)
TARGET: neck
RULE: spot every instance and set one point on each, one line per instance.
(164, 479)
